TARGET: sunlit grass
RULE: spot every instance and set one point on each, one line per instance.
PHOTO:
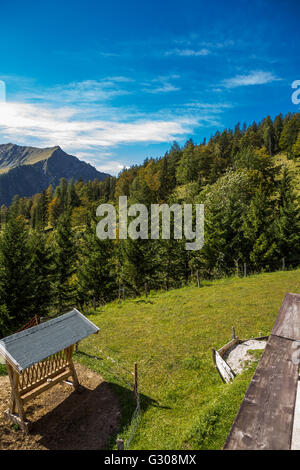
(170, 336)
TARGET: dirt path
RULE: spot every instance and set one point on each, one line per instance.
(64, 419)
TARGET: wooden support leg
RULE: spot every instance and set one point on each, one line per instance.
(74, 376)
(12, 406)
(16, 402)
(69, 353)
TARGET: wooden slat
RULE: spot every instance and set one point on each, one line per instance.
(265, 418)
(45, 386)
(287, 324)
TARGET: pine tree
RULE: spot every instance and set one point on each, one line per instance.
(287, 227)
(296, 147)
(278, 126)
(42, 269)
(16, 278)
(187, 167)
(4, 316)
(258, 228)
(289, 134)
(95, 282)
(269, 135)
(72, 197)
(54, 211)
(64, 264)
(139, 263)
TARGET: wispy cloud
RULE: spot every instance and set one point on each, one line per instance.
(258, 77)
(188, 52)
(87, 91)
(161, 84)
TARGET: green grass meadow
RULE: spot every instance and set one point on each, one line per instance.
(170, 335)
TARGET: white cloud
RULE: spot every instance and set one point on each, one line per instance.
(81, 119)
(164, 88)
(112, 167)
(61, 126)
(103, 162)
(253, 78)
(188, 52)
(162, 84)
(87, 91)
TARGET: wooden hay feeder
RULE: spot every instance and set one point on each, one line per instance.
(40, 357)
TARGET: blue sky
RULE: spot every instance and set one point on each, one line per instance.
(116, 82)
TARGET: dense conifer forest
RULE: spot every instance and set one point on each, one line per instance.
(247, 178)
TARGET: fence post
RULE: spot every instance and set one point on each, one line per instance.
(233, 332)
(135, 388)
(245, 270)
(120, 444)
(237, 268)
(197, 276)
(146, 289)
(283, 264)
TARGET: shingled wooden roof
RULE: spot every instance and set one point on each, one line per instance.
(31, 346)
(266, 417)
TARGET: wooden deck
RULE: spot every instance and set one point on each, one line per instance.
(266, 417)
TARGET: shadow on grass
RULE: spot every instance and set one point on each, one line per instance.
(125, 396)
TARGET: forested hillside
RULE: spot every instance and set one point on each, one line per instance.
(247, 179)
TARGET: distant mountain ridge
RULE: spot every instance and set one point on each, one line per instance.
(29, 170)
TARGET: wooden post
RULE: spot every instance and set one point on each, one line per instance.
(146, 290)
(283, 264)
(245, 270)
(198, 280)
(69, 353)
(233, 332)
(135, 388)
(16, 402)
(123, 293)
(120, 444)
(237, 268)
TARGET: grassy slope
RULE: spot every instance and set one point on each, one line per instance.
(170, 335)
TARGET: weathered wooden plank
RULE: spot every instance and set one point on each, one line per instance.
(265, 418)
(296, 428)
(226, 374)
(287, 324)
(227, 346)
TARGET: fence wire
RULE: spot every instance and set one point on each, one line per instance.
(136, 416)
(134, 424)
